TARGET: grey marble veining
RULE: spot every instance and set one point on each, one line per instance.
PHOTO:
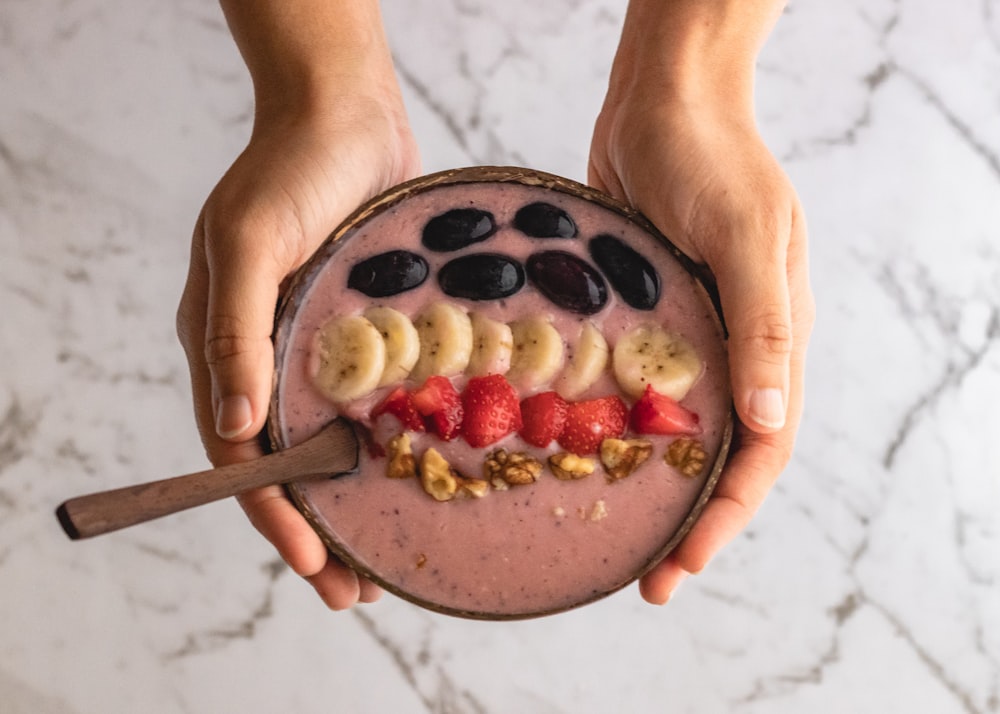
(869, 581)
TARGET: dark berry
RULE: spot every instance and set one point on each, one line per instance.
(543, 220)
(458, 228)
(629, 273)
(388, 273)
(568, 281)
(481, 276)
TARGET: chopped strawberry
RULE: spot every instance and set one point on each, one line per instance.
(491, 410)
(399, 403)
(657, 413)
(441, 404)
(590, 422)
(544, 415)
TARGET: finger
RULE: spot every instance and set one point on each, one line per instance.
(242, 294)
(751, 272)
(659, 584)
(274, 516)
(337, 585)
(370, 592)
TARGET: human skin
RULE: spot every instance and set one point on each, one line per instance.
(330, 131)
(679, 114)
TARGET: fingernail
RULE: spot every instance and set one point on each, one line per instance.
(233, 416)
(767, 407)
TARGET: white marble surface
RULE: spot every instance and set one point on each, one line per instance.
(869, 582)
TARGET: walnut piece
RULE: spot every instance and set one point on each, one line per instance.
(570, 467)
(687, 456)
(437, 476)
(503, 469)
(474, 487)
(402, 462)
(622, 456)
(599, 512)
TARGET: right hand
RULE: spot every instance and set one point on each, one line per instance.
(302, 173)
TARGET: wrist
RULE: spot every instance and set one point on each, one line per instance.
(306, 56)
(696, 53)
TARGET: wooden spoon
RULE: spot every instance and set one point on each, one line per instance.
(334, 450)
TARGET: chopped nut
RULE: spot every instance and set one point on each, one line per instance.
(402, 462)
(559, 512)
(569, 467)
(474, 487)
(687, 456)
(503, 469)
(622, 456)
(421, 561)
(437, 476)
(599, 512)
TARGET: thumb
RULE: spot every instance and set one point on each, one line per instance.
(242, 294)
(753, 290)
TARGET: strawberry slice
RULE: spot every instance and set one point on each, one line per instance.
(544, 415)
(590, 422)
(440, 403)
(491, 409)
(657, 413)
(399, 403)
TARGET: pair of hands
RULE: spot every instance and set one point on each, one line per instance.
(699, 171)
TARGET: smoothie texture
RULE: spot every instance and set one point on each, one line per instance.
(539, 384)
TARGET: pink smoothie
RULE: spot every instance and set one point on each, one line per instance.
(531, 549)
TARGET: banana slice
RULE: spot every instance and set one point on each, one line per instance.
(445, 333)
(349, 358)
(649, 354)
(492, 344)
(402, 343)
(538, 353)
(586, 363)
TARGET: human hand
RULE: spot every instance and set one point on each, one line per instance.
(305, 169)
(692, 161)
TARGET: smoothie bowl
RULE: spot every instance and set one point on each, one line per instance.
(538, 381)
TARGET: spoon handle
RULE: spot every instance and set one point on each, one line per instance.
(334, 450)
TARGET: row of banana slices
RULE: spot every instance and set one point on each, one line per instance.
(359, 353)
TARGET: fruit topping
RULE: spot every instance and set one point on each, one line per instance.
(481, 276)
(590, 422)
(621, 457)
(568, 281)
(649, 355)
(629, 273)
(458, 228)
(388, 273)
(587, 360)
(543, 220)
(570, 467)
(504, 469)
(492, 410)
(537, 355)
(492, 345)
(687, 456)
(348, 358)
(402, 344)
(402, 463)
(543, 416)
(400, 404)
(440, 404)
(657, 413)
(445, 333)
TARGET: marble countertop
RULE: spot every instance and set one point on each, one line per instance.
(869, 581)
